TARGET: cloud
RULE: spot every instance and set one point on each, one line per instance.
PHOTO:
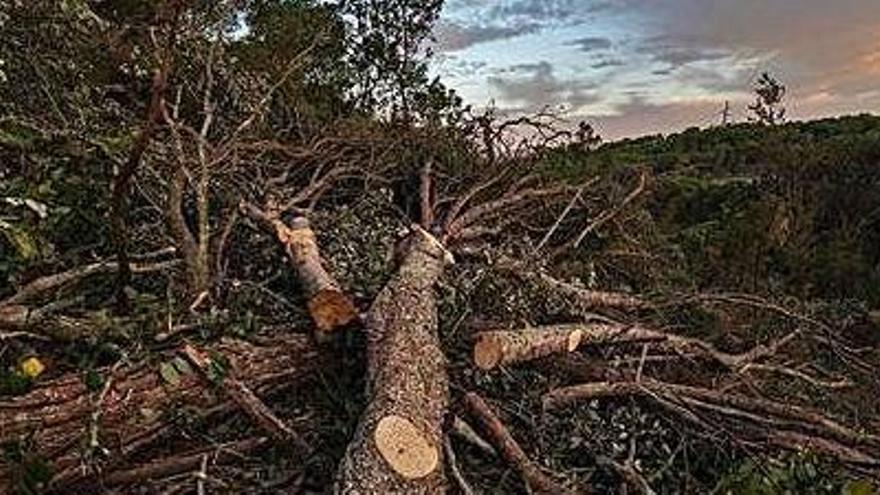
(681, 57)
(451, 37)
(591, 43)
(606, 63)
(680, 51)
(535, 10)
(535, 86)
(640, 117)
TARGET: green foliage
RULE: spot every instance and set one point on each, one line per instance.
(13, 382)
(93, 380)
(800, 474)
(30, 473)
(171, 371)
(794, 208)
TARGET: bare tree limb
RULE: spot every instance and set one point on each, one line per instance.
(498, 434)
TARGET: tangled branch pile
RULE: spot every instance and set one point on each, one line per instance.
(265, 271)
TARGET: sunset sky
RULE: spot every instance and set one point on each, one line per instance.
(633, 67)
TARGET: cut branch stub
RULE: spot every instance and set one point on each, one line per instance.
(328, 306)
(494, 349)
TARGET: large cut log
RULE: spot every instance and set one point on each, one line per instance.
(329, 307)
(398, 445)
(55, 420)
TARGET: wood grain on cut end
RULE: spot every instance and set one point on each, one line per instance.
(574, 340)
(487, 352)
(406, 449)
(331, 309)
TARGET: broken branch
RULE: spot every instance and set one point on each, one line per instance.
(498, 434)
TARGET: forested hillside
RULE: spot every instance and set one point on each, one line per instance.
(251, 247)
(790, 209)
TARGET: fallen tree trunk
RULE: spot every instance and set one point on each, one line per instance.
(498, 348)
(56, 419)
(329, 307)
(398, 445)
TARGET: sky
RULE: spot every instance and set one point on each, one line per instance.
(635, 67)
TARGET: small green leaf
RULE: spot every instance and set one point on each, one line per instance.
(182, 365)
(861, 487)
(169, 374)
(93, 381)
(217, 367)
(22, 241)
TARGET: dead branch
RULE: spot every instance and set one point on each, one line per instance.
(560, 219)
(501, 438)
(514, 198)
(121, 189)
(464, 431)
(225, 453)
(246, 399)
(583, 297)
(426, 188)
(631, 477)
(778, 423)
(452, 462)
(48, 283)
(588, 298)
(606, 216)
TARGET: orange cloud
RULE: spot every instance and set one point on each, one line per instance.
(871, 62)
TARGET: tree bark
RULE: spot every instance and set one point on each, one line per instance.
(498, 348)
(57, 417)
(398, 445)
(493, 349)
(329, 307)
